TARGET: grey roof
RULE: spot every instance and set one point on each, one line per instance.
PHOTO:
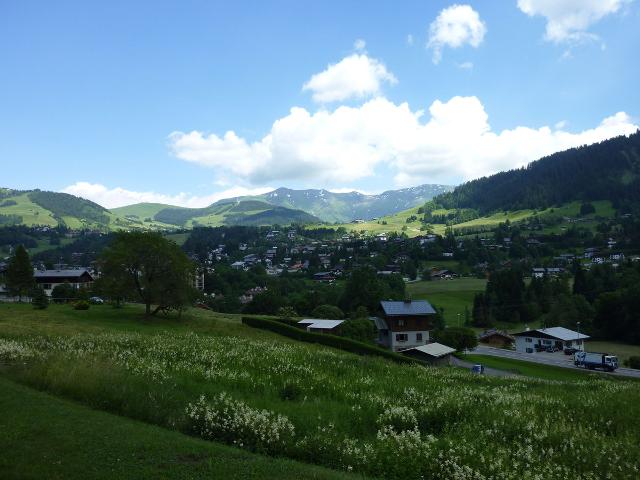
(414, 307)
(433, 349)
(320, 323)
(560, 333)
(60, 273)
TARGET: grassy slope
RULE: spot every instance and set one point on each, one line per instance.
(47, 437)
(396, 221)
(329, 383)
(452, 295)
(141, 210)
(31, 213)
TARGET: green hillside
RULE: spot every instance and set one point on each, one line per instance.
(38, 208)
(211, 376)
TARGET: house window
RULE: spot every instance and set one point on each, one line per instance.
(529, 350)
(46, 286)
(418, 337)
(547, 342)
(401, 323)
(528, 340)
(402, 337)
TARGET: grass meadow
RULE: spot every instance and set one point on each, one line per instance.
(451, 295)
(211, 377)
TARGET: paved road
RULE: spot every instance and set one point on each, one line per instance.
(557, 359)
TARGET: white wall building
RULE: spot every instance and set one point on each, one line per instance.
(533, 341)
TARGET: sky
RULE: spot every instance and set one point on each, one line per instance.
(187, 102)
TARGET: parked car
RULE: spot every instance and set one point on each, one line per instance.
(96, 300)
(477, 369)
(539, 347)
(551, 349)
(570, 350)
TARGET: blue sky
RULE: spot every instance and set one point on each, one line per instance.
(122, 102)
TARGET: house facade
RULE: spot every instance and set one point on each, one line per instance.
(404, 324)
(533, 341)
(50, 279)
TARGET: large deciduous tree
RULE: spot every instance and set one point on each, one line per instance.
(150, 268)
(19, 276)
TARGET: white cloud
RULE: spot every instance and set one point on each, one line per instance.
(119, 197)
(465, 65)
(569, 20)
(355, 76)
(410, 40)
(359, 45)
(454, 27)
(453, 142)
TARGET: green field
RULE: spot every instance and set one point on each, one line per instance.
(451, 295)
(209, 375)
(621, 350)
(528, 369)
(47, 437)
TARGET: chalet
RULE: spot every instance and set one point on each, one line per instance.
(324, 277)
(442, 274)
(238, 265)
(496, 338)
(404, 324)
(320, 325)
(434, 353)
(558, 337)
(50, 279)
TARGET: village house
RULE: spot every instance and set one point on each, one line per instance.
(532, 341)
(404, 324)
(50, 279)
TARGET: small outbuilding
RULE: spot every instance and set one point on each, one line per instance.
(497, 338)
(434, 354)
(320, 325)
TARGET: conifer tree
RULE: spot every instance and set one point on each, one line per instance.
(20, 274)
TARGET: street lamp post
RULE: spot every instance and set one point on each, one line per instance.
(579, 339)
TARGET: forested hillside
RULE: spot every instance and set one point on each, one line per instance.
(609, 170)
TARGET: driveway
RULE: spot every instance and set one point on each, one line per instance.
(557, 359)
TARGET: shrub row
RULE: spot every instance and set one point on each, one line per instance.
(334, 341)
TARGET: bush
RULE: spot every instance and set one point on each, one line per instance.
(460, 338)
(633, 362)
(287, 313)
(81, 305)
(360, 329)
(341, 343)
(328, 312)
(63, 293)
(39, 299)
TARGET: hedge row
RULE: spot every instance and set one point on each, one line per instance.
(334, 341)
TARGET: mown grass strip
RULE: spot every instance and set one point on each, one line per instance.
(46, 437)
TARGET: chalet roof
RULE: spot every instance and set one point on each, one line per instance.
(68, 273)
(559, 333)
(491, 333)
(320, 323)
(413, 307)
(436, 350)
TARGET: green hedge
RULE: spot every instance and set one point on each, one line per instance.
(334, 341)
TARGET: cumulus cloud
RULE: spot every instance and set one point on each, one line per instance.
(569, 20)
(454, 27)
(119, 197)
(355, 76)
(453, 141)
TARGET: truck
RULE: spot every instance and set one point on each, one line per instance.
(592, 360)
